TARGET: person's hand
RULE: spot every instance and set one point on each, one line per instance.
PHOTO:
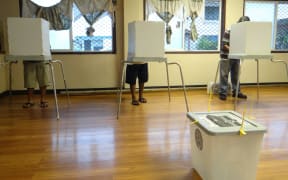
(226, 47)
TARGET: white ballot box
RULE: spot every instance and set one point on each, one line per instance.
(28, 37)
(146, 41)
(251, 38)
(218, 150)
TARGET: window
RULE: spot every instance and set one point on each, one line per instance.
(208, 26)
(76, 39)
(275, 12)
(212, 11)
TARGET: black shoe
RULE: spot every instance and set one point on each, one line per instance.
(240, 95)
(222, 97)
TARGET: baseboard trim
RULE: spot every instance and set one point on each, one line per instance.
(115, 90)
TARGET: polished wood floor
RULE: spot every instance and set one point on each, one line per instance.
(149, 142)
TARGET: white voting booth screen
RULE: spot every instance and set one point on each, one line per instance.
(146, 41)
(28, 37)
(251, 38)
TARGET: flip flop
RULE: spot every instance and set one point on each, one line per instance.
(43, 104)
(28, 105)
(142, 100)
(135, 102)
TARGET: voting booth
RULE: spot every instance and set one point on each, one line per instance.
(250, 38)
(219, 151)
(28, 37)
(250, 41)
(146, 41)
(28, 40)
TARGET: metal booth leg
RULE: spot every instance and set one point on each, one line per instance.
(272, 60)
(216, 76)
(183, 85)
(276, 61)
(168, 80)
(54, 88)
(257, 61)
(120, 88)
(282, 61)
(10, 75)
(238, 85)
(63, 76)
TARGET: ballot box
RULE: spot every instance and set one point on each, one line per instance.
(146, 41)
(28, 37)
(251, 38)
(218, 151)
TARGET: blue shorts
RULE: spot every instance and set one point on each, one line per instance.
(134, 71)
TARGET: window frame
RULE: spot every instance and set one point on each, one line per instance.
(222, 16)
(274, 50)
(114, 43)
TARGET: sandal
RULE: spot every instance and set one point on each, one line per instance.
(28, 105)
(43, 104)
(142, 100)
(135, 102)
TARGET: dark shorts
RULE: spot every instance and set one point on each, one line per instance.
(134, 71)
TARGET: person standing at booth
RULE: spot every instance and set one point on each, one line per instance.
(35, 72)
(134, 71)
(229, 66)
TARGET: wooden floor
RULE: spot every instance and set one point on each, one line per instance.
(149, 142)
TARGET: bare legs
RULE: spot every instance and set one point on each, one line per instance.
(42, 94)
(30, 94)
(133, 94)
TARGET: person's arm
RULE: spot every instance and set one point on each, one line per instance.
(225, 41)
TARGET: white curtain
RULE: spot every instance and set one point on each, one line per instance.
(167, 9)
(92, 10)
(60, 15)
(193, 8)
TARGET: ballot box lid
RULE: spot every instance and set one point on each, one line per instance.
(223, 122)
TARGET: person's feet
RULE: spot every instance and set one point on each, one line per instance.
(222, 97)
(43, 104)
(28, 105)
(240, 95)
(135, 102)
(142, 100)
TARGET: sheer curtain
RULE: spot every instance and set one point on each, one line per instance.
(167, 9)
(60, 15)
(193, 8)
(92, 10)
